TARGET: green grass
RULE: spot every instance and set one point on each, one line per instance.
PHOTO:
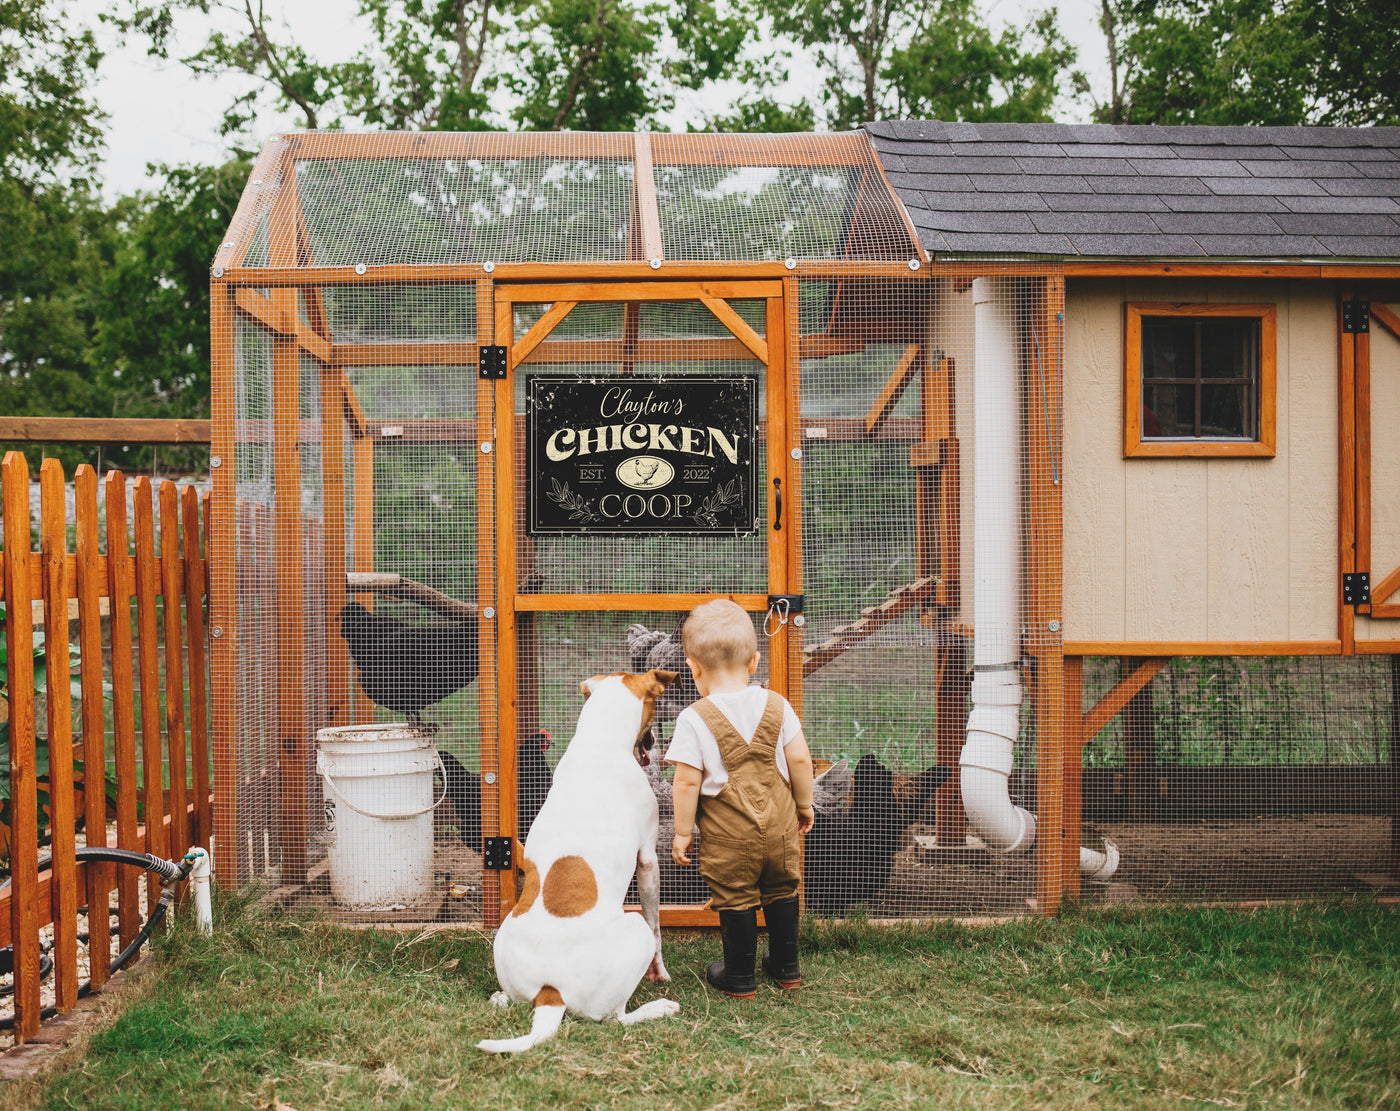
(1291, 1006)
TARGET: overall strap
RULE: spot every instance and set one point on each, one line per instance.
(770, 726)
(732, 746)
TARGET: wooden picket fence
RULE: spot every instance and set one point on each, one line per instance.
(157, 575)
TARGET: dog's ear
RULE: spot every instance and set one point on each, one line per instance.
(586, 687)
(661, 679)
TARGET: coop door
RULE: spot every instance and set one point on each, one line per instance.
(645, 441)
(1376, 377)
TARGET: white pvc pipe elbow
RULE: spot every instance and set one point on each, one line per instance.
(199, 883)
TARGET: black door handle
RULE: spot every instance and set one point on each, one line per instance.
(778, 514)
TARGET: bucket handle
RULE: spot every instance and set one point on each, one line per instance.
(330, 782)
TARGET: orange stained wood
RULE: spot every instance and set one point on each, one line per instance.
(53, 532)
(1346, 472)
(121, 586)
(529, 888)
(335, 665)
(893, 389)
(570, 887)
(1362, 379)
(172, 572)
(91, 584)
(220, 547)
(196, 587)
(1203, 647)
(148, 668)
(648, 213)
(1072, 725)
(541, 328)
(244, 224)
(636, 291)
(20, 590)
(507, 659)
(487, 689)
(1108, 707)
(1136, 447)
(1383, 315)
(1384, 589)
(738, 326)
(783, 324)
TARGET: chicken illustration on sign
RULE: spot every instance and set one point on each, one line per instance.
(660, 456)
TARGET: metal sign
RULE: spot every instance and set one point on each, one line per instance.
(622, 456)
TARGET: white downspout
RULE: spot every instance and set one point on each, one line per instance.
(994, 724)
(995, 721)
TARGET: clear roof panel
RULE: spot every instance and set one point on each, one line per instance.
(395, 198)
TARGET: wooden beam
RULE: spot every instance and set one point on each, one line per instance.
(1203, 647)
(541, 328)
(396, 586)
(678, 603)
(1382, 314)
(893, 389)
(1110, 704)
(738, 326)
(648, 213)
(281, 318)
(103, 430)
(637, 291)
(1131, 268)
(1346, 471)
(1384, 589)
(409, 353)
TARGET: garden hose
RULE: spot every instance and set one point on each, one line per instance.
(171, 874)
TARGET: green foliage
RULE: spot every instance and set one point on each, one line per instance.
(1137, 1008)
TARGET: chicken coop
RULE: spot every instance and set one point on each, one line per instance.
(493, 412)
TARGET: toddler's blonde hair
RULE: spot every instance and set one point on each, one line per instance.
(719, 634)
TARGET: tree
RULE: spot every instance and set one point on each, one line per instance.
(1251, 62)
(50, 140)
(923, 57)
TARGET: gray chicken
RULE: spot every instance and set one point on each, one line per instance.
(651, 648)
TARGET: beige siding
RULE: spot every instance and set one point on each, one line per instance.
(1200, 549)
(1385, 474)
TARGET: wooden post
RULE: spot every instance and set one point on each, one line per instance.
(1346, 473)
(791, 368)
(1073, 718)
(148, 665)
(506, 578)
(223, 589)
(90, 588)
(336, 662)
(293, 827)
(172, 574)
(58, 671)
(24, 800)
(194, 583)
(782, 508)
(364, 545)
(120, 587)
(1140, 744)
(1395, 766)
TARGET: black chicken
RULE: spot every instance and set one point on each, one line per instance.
(533, 779)
(407, 667)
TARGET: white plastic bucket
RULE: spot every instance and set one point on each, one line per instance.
(379, 811)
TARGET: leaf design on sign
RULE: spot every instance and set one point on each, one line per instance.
(580, 508)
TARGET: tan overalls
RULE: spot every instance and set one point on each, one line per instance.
(750, 850)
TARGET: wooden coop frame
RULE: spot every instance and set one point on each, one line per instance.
(293, 315)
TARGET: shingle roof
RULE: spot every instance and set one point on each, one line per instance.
(1147, 192)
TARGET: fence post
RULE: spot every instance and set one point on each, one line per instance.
(119, 590)
(170, 575)
(24, 801)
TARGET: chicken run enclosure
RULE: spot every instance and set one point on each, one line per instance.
(492, 412)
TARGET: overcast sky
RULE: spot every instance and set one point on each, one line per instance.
(161, 113)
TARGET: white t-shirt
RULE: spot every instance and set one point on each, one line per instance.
(692, 742)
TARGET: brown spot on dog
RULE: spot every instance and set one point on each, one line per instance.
(570, 888)
(529, 891)
(548, 996)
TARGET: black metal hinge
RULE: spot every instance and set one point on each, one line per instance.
(492, 360)
(1356, 588)
(1356, 316)
(495, 854)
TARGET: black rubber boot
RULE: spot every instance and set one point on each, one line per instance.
(738, 931)
(780, 962)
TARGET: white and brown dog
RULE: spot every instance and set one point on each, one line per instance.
(568, 945)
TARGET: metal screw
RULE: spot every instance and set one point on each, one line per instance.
(360, 268)
(799, 621)
(217, 631)
(490, 778)
(218, 271)
(913, 264)
(485, 447)
(489, 612)
(790, 263)
(216, 462)
(488, 266)
(656, 264)
(1053, 626)
(797, 453)
(257, 181)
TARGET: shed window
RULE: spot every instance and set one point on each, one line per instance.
(1200, 380)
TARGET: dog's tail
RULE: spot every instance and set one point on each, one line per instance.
(549, 1013)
